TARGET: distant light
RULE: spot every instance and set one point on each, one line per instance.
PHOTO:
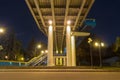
(46, 51)
(68, 22)
(96, 44)
(102, 44)
(61, 51)
(89, 40)
(6, 57)
(22, 59)
(57, 51)
(42, 51)
(50, 22)
(39, 46)
(1, 30)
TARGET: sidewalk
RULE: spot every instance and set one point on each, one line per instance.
(58, 69)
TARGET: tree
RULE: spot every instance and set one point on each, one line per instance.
(116, 46)
(82, 53)
(31, 49)
(11, 46)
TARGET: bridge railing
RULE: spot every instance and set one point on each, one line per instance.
(36, 59)
(12, 63)
(18, 63)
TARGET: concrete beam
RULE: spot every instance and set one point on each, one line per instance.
(65, 20)
(31, 10)
(40, 13)
(92, 1)
(80, 34)
(79, 13)
(54, 23)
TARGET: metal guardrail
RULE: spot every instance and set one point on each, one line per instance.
(12, 63)
(33, 61)
(39, 61)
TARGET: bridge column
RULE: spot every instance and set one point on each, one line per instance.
(50, 47)
(73, 51)
(68, 45)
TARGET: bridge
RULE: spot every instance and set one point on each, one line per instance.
(60, 20)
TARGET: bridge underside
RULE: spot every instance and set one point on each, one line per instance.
(57, 19)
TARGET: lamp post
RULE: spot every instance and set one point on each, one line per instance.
(37, 47)
(6, 57)
(42, 51)
(1, 30)
(99, 45)
(91, 56)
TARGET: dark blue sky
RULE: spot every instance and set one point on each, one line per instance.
(14, 14)
(107, 15)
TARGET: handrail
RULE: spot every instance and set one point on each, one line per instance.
(35, 59)
(39, 60)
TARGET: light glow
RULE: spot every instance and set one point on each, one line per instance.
(89, 40)
(1, 30)
(6, 57)
(39, 46)
(22, 59)
(68, 22)
(56, 61)
(50, 22)
(96, 44)
(42, 51)
(57, 51)
(61, 51)
(102, 44)
(46, 51)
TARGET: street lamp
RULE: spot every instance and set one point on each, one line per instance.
(46, 51)
(91, 57)
(37, 47)
(1, 30)
(50, 22)
(99, 45)
(42, 52)
(22, 58)
(6, 57)
(68, 22)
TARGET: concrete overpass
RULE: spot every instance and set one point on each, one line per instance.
(57, 19)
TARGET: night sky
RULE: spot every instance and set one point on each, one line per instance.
(14, 14)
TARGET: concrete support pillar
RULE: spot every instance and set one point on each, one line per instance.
(73, 50)
(68, 45)
(50, 47)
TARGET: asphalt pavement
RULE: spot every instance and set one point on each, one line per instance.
(58, 74)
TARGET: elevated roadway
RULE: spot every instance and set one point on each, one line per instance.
(59, 20)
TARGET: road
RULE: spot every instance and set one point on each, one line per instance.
(59, 75)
